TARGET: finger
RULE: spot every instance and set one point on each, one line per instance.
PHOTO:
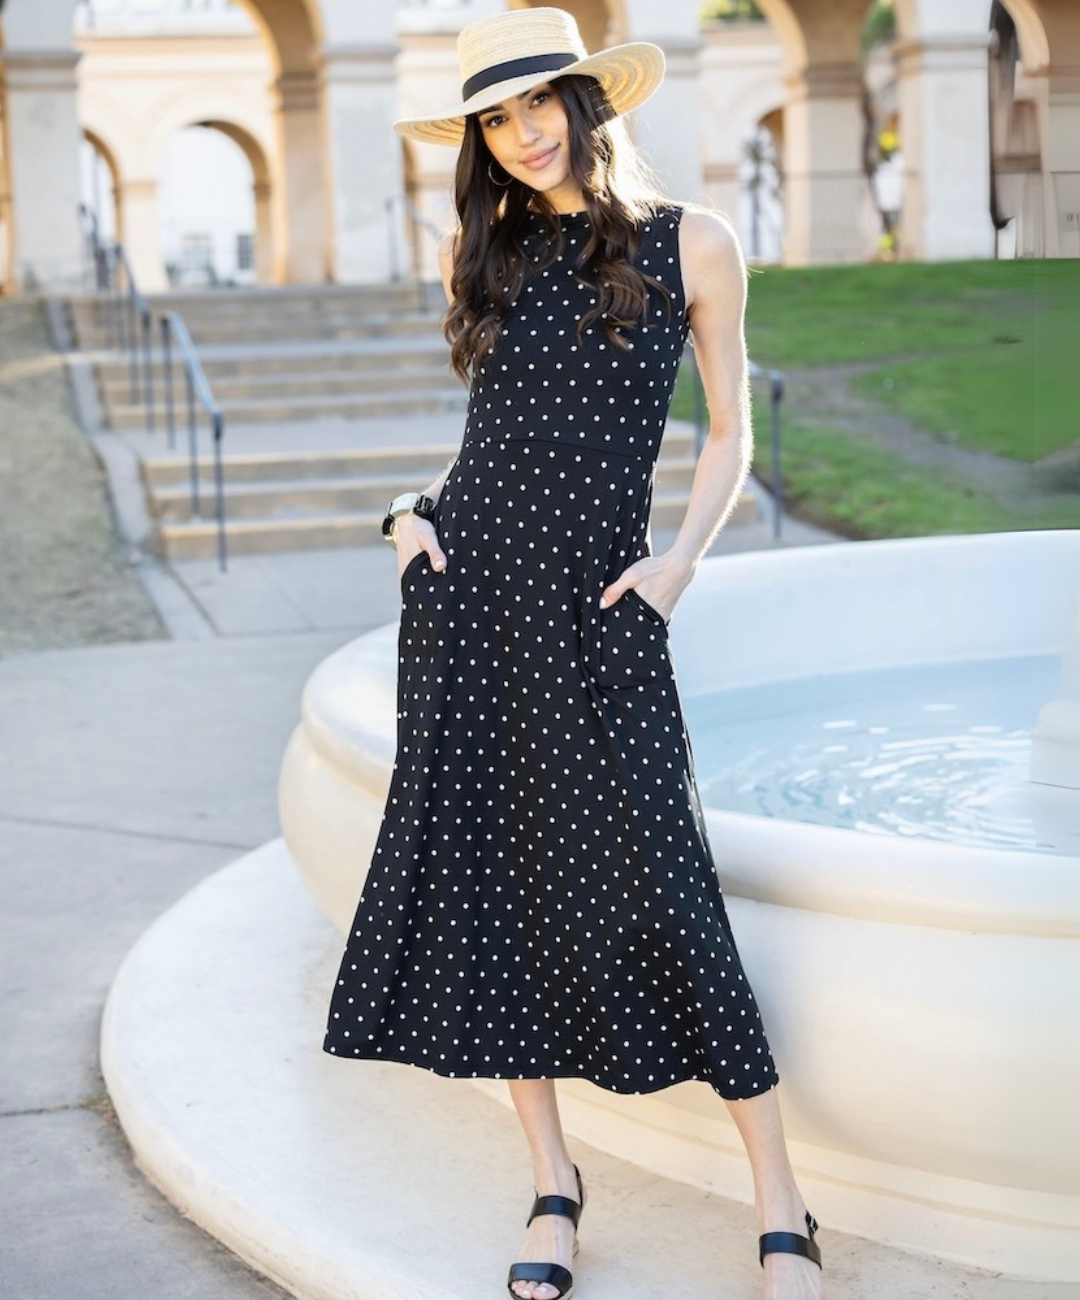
(612, 593)
(438, 559)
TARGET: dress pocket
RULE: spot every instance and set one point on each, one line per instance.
(411, 568)
(633, 645)
(650, 611)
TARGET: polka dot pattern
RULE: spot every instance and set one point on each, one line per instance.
(542, 901)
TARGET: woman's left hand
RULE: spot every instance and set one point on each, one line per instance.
(659, 579)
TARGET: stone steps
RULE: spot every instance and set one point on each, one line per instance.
(321, 500)
(290, 312)
(231, 388)
(163, 471)
(89, 335)
(286, 407)
(366, 360)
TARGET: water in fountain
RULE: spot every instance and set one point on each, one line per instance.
(934, 751)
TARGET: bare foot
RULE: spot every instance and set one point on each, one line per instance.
(549, 1239)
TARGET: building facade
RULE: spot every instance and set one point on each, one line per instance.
(785, 124)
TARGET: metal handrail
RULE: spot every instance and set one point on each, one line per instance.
(424, 223)
(134, 304)
(96, 256)
(198, 387)
(776, 397)
(128, 307)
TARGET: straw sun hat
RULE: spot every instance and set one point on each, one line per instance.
(506, 54)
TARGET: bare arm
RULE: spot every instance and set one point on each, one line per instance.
(414, 534)
(714, 280)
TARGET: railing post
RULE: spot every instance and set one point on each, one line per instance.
(776, 390)
(166, 362)
(148, 366)
(219, 486)
(196, 508)
(116, 302)
(121, 305)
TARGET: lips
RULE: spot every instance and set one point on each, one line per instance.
(538, 160)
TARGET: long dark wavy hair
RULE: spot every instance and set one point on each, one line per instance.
(491, 265)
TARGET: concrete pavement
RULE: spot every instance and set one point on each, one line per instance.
(127, 774)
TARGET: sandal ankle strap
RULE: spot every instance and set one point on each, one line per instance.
(791, 1243)
(565, 1205)
(555, 1205)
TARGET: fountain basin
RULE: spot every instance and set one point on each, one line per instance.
(919, 995)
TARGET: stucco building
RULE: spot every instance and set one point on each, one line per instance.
(983, 97)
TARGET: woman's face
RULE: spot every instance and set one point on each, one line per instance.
(529, 137)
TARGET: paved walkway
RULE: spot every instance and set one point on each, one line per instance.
(127, 774)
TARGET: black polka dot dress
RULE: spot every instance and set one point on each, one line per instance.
(542, 901)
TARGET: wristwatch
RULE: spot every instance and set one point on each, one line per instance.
(406, 503)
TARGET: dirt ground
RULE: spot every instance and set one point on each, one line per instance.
(65, 579)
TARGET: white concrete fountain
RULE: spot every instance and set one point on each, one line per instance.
(921, 996)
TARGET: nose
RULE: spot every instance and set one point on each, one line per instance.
(527, 129)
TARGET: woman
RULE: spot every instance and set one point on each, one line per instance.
(542, 901)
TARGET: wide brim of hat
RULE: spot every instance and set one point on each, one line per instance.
(628, 74)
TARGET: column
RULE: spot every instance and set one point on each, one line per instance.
(140, 227)
(43, 139)
(363, 161)
(827, 199)
(945, 130)
(300, 255)
(264, 232)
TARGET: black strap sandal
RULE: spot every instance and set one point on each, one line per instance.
(790, 1243)
(553, 1274)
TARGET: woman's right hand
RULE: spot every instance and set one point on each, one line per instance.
(414, 534)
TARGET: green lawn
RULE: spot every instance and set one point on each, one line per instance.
(863, 491)
(825, 315)
(985, 355)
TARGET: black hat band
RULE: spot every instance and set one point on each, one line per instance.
(515, 68)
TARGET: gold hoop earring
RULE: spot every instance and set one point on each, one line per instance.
(502, 184)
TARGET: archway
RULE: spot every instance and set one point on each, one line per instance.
(1037, 129)
(100, 184)
(220, 235)
(827, 200)
(262, 188)
(294, 33)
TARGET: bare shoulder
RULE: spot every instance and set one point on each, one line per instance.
(712, 259)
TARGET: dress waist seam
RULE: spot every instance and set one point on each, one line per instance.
(647, 459)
